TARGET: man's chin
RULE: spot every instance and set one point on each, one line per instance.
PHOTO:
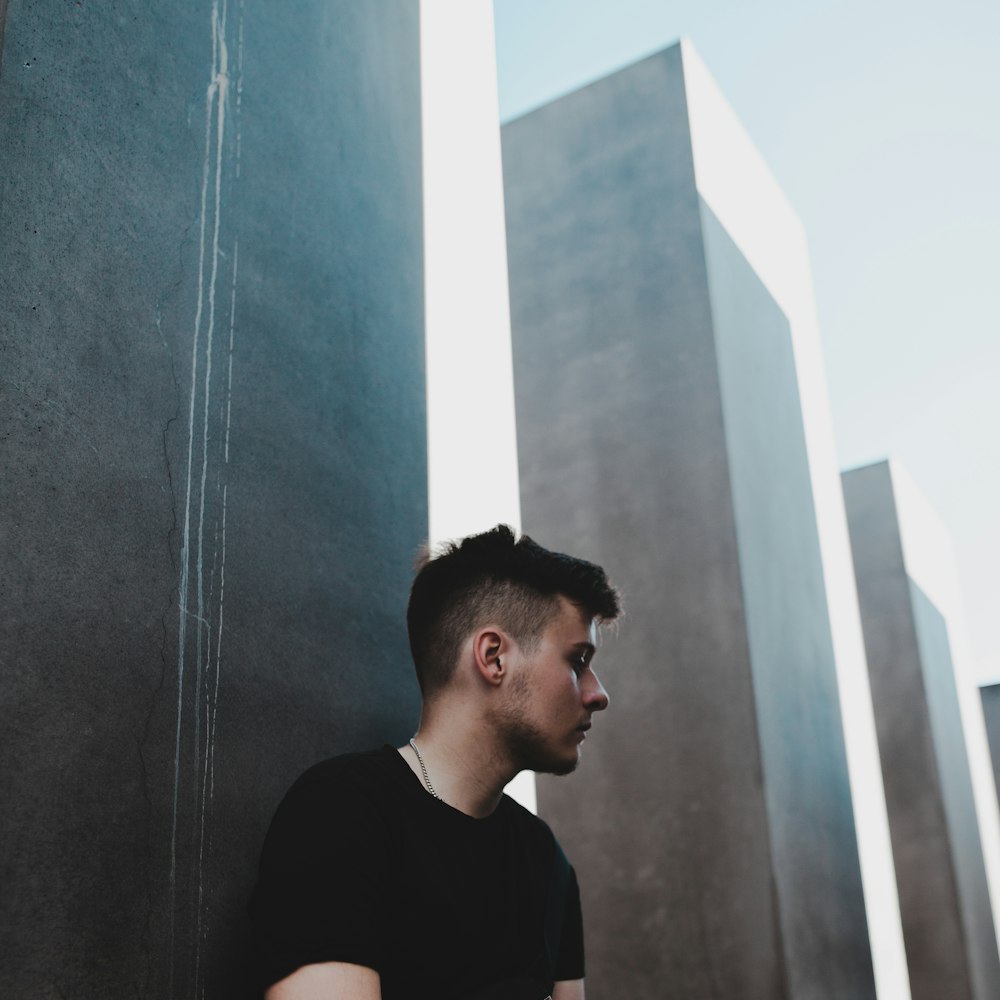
(534, 751)
(560, 766)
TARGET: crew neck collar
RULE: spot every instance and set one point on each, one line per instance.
(415, 786)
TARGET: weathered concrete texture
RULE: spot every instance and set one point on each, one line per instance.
(990, 694)
(947, 923)
(660, 434)
(214, 468)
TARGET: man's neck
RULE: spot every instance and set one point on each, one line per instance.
(463, 766)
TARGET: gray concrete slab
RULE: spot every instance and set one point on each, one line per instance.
(990, 695)
(660, 434)
(947, 923)
(213, 462)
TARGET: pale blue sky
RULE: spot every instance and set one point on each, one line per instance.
(881, 122)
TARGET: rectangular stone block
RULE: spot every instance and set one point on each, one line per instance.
(213, 460)
(900, 558)
(661, 318)
(990, 694)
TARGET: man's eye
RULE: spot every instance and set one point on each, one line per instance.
(579, 663)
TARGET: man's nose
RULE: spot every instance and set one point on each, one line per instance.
(595, 697)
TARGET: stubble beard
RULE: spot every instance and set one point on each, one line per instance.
(526, 743)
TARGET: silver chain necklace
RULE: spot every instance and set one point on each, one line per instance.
(423, 767)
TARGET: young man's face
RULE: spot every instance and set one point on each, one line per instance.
(553, 694)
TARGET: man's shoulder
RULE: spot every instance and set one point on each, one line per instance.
(357, 769)
(356, 784)
(528, 824)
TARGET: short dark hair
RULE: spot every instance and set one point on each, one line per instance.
(494, 576)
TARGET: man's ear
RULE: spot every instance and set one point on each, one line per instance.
(489, 647)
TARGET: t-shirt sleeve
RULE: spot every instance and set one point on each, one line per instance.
(569, 964)
(320, 893)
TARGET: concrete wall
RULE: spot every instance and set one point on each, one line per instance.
(738, 191)
(214, 459)
(948, 926)
(660, 433)
(990, 694)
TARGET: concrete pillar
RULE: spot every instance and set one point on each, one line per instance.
(907, 603)
(214, 459)
(663, 325)
(990, 694)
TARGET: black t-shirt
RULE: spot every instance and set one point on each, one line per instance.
(362, 865)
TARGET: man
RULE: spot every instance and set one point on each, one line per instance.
(405, 873)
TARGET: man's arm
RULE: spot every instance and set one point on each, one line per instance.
(342, 981)
(566, 989)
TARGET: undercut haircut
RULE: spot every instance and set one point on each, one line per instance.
(496, 578)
